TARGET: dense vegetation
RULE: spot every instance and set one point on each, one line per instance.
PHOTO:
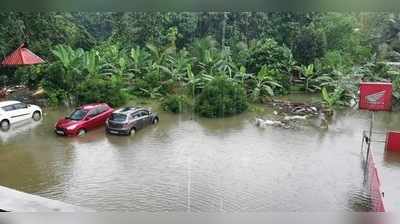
(211, 63)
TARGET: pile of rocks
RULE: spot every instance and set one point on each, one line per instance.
(291, 115)
(293, 108)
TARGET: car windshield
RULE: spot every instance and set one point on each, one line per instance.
(78, 114)
(118, 117)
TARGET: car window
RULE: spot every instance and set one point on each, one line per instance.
(97, 111)
(93, 112)
(20, 106)
(8, 108)
(145, 113)
(101, 109)
(135, 115)
(118, 117)
(78, 114)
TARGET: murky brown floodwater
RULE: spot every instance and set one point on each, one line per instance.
(186, 164)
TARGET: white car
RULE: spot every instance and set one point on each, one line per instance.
(15, 111)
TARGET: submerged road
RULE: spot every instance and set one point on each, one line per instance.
(188, 163)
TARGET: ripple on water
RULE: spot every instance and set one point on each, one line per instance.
(193, 164)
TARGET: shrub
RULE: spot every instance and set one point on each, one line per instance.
(175, 103)
(309, 45)
(99, 89)
(30, 76)
(221, 97)
(61, 83)
(268, 52)
(276, 57)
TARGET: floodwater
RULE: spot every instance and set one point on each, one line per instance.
(186, 163)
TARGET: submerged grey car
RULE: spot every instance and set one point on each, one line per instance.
(128, 120)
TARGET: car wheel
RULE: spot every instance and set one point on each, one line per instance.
(156, 120)
(132, 132)
(5, 125)
(81, 132)
(36, 116)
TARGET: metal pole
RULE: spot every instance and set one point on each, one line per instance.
(224, 30)
(370, 134)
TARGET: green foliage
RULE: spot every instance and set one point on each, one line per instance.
(330, 99)
(268, 52)
(346, 35)
(158, 54)
(311, 78)
(100, 89)
(30, 76)
(265, 84)
(78, 76)
(276, 57)
(221, 97)
(175, 103)
(309, 45)
(343, 86)
(42, 31)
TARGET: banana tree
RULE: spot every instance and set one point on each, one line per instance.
(153, 93)
(241, 75)
(265, 83)
(192, 80)
(140, 59)
(67, 56)
(224, 64)
(66, 73)
(309, 75)
(159, 54)
(330, 99)
(91, 62)
(176, 67)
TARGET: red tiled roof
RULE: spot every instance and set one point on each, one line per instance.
(22, 56)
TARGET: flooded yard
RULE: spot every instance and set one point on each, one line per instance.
(187, 163)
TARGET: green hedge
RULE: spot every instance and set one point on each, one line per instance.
(221, 97)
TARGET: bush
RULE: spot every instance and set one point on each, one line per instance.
(30, 76)
(309, 45)
(60, 83)
(269, 53)
(98, 89)
(175, 103)
(221, 97)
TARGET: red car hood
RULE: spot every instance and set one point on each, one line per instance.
(64, 123)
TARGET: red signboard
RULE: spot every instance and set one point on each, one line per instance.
(393, 141)
(375, 96)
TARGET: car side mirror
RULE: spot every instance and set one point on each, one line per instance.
(87, 118)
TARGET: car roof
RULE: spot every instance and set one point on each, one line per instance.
(127, 110)
(91, 106)
(8, 102)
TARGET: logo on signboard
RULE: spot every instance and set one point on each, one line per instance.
(376, 98)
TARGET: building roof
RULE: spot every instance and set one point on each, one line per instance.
(22, 56)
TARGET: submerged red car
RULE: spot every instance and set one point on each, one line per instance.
(83, 119)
